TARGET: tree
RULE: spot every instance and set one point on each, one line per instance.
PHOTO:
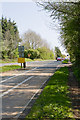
(57, 52)
(68, 14)
(46, 53)
(10, 38)
(32, 40)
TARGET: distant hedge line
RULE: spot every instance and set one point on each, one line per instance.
(42, 53)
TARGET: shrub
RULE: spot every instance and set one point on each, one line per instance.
(31, 53)
(65, 61)
(45, 53)
(4, 54)
(42, 53)
(26, 54)
(15, 53)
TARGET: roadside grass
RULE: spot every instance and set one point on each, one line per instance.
(28, 59)
(13, 60)
(54, 102)
(8, 60)
(38, 60)
(65, 61)
(9, 67)
(16, 60)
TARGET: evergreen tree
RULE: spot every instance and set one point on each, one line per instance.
(10, 38)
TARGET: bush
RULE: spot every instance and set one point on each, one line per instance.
(76, 70)
(26, 54)
(31, 53)
(4, 54)
(15, 53)
(51, 55)
(10, 54)
(42, 53)
(65, 61)
(45, 53)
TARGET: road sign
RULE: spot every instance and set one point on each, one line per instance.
(21, 60)
(20, 48)
(21, 51)
(21, 54)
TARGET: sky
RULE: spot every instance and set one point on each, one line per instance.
(29, 16)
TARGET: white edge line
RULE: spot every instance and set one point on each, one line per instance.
(29, 101)
(15, 86)
(17, 75)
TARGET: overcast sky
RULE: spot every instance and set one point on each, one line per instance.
(28, 15)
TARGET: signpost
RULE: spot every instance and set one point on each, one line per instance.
(21, 58)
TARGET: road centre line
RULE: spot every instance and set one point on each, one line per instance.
(17, 116)
(16, 75)
(16, 86)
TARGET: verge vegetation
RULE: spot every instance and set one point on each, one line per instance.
(54, 102)
(8, 60)
(69, 27)
(16, 60)
(9, 67)
(76, 71)
(65, 61)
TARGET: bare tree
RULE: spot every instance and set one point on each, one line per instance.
(32, 40)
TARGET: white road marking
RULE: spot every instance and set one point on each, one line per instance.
(17, 116)
(16, 86)
(16, 75)
(19, 74)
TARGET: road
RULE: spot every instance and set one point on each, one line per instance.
(20, 86)
(3, 64)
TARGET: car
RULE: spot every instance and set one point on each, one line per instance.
(59, 59)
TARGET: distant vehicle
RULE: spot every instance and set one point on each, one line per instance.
(59, 59)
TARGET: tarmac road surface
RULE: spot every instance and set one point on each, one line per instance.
(20, 86)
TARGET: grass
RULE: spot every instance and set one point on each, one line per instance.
(8, 61)
(16, 60)
(28, 59)
(9, 67)
(54, 102)
(65, 61)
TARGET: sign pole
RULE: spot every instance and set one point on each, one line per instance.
(21, 58)
(21, 65)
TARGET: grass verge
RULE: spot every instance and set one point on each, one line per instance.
(9, 67)
(65, 61)
(8, 61)
(54, 102)
(16, 60)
